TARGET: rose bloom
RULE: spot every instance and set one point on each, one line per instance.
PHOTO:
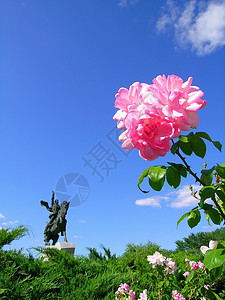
(156, 259)
(201, 265)
(177, 296)
(193, 265)
(180, 100)
(186, 273)
(149, 132)
(152, 115)
(125, 99)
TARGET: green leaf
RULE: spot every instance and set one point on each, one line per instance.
(186, 148)
(180, 168)
(157, 177)
(198, 146)
(214, 216)
(191, 275)
(207, 172)
(221, 195)
(183, 138)
(218, 145)
(173, 177)
(174, 147)
(216, 272)
(220, 170)
(207, 179)
(204, 135)
(217, 297)
(208, 220)
(207, 192)
(214, 258)
(220, 245)
(183, 217)
(205, 206)
(143, 175)
(194, 218)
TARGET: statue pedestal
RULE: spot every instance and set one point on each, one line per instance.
(68, 247)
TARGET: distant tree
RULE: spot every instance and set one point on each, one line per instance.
(195, 241)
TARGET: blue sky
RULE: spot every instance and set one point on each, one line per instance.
(61, 65)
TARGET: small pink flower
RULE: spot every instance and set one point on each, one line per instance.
(124, 291)
(186, 259)
(193, 265)
(201, 265)
(206, 286)
(143, 296)
(171, 268)
(212, 244)
(203, 298)
(177, 296)
(186, 273)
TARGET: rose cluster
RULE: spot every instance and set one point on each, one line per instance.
(177, 296)
(152, 115)
(124, 292)
(159, 259)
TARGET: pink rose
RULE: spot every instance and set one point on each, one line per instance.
(125, 99)
(171, 268)
(186, 273)
(193, 265)
(201, 265)
(179, 100)
(152, 115)
(156, 259)
(177, 296)
(150, 133)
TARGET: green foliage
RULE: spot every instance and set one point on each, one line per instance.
(189, 144)
(7, 235)
(97, 276)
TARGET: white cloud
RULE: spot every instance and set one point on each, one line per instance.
(184, 197)
(152, 201)
(82, 221)
(77, 236)
(180, 198)
(125, 3)
(10, 223)
(1, 216)
(200, 26)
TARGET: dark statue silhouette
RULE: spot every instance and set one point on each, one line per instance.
(57, 222)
